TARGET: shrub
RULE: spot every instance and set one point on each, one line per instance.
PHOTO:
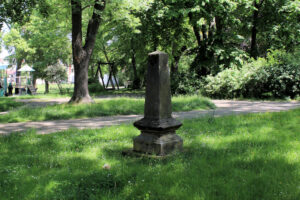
(95, 87)
(278, 75)
(185, 82)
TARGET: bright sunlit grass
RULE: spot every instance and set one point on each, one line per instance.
(116, 106)
(254, 156)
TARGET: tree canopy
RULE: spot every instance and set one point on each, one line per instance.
(202, 37)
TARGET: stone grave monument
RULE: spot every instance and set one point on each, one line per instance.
(158, 127)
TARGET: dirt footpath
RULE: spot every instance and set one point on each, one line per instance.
(224, 107)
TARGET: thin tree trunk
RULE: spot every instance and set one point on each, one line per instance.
(254, 50)
(34, 81)
(18, 74)
(136, 80)
(219, 30)
(174, 65)
(46, 87)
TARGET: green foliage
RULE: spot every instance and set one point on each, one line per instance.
(7, 104)
(18, 11)
(17, 44)
(237, 157)
(278, 74)
(51, 43)
(185, 82)
(216, 34)
(95, 87)
(56, 73)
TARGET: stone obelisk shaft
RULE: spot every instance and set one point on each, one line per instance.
(158, 127)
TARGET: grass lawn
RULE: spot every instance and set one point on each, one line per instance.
(118, 106)
(7, 103)
(68, 91)
(254, 156)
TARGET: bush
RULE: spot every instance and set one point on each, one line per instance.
(95, 87)
(185, 82)
(278, 75)
(92, 80)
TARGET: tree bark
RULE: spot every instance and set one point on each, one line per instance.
(195, 29)
(34, 81)
(46, 87)
(136, 80)
(254, 50)
(174, 65)
(18, 74)
(82, 54)
(219, 30)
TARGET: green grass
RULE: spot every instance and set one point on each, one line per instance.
(68, 91)
(7, 103)
(53, 89)
(244, 157)
(117, 106)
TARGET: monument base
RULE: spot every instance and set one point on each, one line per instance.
(157, 144)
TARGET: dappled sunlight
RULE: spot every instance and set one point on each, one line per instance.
(228, 158)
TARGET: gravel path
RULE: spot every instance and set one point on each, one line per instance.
(224, 107)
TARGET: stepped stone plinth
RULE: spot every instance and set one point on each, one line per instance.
(158, 127)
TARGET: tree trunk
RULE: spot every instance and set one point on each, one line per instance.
(81, 90)
(18, 74)
(195, 29)
(136, 80)
(46, 87)
(174, 65)
(219, 30)
(254, 50)
(34, 81)
(82, 54)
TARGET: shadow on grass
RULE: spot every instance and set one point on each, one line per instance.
(245, 160)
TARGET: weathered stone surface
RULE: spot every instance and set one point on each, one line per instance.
(158, 93)
(158, 127)
(151, 143)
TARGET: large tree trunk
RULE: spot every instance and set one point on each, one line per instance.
(82, 54)
(81, 90)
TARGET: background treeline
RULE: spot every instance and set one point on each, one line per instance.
(220, 48)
